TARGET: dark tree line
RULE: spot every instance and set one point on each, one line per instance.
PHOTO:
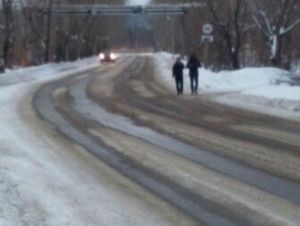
(30, 37)
(246, 32)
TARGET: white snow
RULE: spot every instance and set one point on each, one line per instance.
(284, 92)
(22, 75)
(250, 88)
(24, 157)
(238, 80)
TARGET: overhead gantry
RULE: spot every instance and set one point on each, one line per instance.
(176, 9)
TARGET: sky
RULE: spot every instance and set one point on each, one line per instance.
(138, 2)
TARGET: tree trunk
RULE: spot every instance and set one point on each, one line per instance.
(7, 11)
(276, 58)
(235, 62)
(233, 52)
(48, 32)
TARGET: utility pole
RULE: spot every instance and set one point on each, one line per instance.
(48, 31)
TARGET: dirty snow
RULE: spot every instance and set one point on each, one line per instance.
(40, 183)
(45, 180)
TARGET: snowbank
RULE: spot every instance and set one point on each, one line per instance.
(36, 72)
(284, 92)
(248, 88)
(239, 80)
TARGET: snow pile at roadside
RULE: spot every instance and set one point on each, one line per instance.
(26, 162)
(251, 88)
(42, 71)
(240, 80)
(284, 92)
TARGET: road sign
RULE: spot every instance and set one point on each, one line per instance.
(207, 38)
(207, 29)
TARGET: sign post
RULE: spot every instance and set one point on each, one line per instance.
(207, 38)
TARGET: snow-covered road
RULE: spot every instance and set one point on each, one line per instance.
(25, 158)
(46, 179)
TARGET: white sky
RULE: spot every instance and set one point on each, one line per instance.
(138, 2)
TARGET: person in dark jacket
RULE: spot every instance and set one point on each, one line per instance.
(193, 65)
(178, 75)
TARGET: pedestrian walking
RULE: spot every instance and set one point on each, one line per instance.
(193, 65)
(178, 75)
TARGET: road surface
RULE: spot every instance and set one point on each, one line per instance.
(168, 160)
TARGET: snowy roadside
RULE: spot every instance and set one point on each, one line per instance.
(18, 165)
(250, 88)
(46, 71)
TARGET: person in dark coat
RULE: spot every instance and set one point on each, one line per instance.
(178, 75)
(193, 65)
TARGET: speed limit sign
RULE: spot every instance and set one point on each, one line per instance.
(207, 29)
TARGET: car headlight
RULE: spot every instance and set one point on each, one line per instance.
(113, 56)
(101, 56)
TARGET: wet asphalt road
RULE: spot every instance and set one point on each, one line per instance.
(75, 112)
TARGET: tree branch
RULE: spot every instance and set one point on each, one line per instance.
(290, 27)
(259, 25)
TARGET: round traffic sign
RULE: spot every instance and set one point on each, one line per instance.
(207, 29)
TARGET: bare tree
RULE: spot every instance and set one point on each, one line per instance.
(33, 32)
(48, 30)
(276, 21)
(28, 36)
(230, 18)
(8, 18)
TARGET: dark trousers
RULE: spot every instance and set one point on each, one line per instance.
(194, 83)
(179, 84)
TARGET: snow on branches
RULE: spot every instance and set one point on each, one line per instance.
(275, 22)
